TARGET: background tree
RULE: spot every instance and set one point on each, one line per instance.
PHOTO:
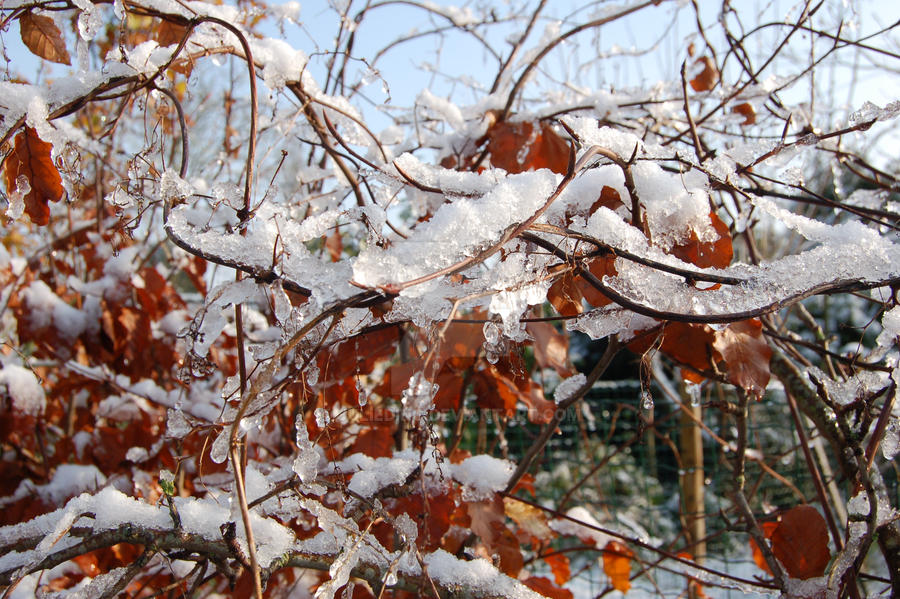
(268, 331)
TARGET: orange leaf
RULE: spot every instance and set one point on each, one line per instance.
(559, 565)
(31, 158)
(519, 147)
(565, 296)
(746, 355)
(800, 542)
(599, 267)
(617, 565)
(543, 586)
(767, 529)
(708, 254)
(41, 35)
(708, 77)
(693, 583)
(747, 111)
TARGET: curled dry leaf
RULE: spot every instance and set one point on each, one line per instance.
(708, 77)
(747, 111)
(551, 348)
(31, 157)
(529, 519)
(41, 35)
(746, 355)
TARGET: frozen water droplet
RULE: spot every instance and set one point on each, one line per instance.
(363, 396)
(391, 579)
(177, 425)
(417, 397)
(322, 417)
(218, 453)
(491, 355)
(646, 400)
(89, 23)
(491, 333)
(693, 391)
(312, 375)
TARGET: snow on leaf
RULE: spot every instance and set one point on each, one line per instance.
(23, 387)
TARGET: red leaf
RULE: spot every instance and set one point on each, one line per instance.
(519, 147)
(609, 198)
(688, 344)
(494, 392)
(335, 245)
(746, 355)
(617, 565)
(31, 158)
(800, 542)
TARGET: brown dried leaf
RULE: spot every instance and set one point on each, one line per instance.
(170, 34)
(708, 77)
(41, 35)
(551, 348)
(488, 523)
(747, 111)
(565, 296)
(31, 157)
(708, 254)
(530, 519)
(519, 147)
(746, 355)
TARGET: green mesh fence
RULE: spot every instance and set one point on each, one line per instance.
(626, 474)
